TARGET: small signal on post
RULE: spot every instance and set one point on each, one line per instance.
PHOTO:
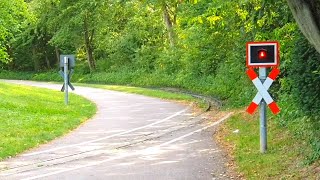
(262, 54)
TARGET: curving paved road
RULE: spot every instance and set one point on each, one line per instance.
(132, 137)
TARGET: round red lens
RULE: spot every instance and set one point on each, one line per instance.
(262, 54)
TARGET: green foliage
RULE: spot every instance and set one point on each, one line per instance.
(304, 74)
(13, 14)
(301, 94)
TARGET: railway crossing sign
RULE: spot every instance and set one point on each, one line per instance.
(263, 55)
(263, 91)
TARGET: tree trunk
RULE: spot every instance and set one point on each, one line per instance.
(47, 60)
(10, 57)
(307, 15)
(57, 55)
(35, 59)
(88, 45)
(169, 25)
(92, 49)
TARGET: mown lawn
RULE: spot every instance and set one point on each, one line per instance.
(31, 116)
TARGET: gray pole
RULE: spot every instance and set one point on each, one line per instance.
(263, 115)
(66, 97)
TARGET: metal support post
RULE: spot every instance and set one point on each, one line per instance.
(66, 80)
(263, 115)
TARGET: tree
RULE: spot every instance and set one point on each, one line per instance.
(307, 15)
(12, 15)
(169, 10)
(72, 24)
(76, 26)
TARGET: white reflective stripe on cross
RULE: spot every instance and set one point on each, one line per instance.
(267, 83)
(262, 91)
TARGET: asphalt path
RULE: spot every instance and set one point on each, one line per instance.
(132, 137)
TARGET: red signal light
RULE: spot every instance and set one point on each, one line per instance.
(262, 54)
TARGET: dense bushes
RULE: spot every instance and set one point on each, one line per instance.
(304, 74)
(300, 97)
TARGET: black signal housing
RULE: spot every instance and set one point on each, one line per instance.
(262, 54)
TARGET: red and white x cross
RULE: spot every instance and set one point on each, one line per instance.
(263, 91)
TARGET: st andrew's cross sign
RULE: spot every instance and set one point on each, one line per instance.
(263, 55)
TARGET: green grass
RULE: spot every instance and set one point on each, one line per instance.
(32, 116)
(283, 159)
(150, 92)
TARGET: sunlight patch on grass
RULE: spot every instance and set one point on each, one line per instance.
(31, 116)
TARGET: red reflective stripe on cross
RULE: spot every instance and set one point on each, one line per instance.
(274, 73)
(274, 107)
(252, 75)
(252, 107)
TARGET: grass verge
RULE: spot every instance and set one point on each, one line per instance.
(31, 116)
(284, 159)
(151, 92)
